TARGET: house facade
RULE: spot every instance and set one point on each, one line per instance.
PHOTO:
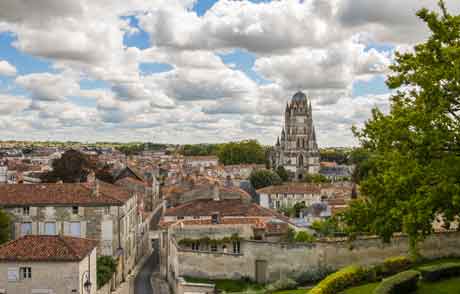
(94, 210)
(48, 265)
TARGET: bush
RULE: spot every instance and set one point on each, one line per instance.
(283, 284)
(339, 281)
(313, 275)
(404, 282)
(394, 265)
(304, 237)
(106, 267)
(437, 272)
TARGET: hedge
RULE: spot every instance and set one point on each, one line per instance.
(340, 280)
(404, 282)
(436, 272)
(394, 265)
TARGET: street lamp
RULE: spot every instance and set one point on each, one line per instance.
(86, 282)
(87, 286)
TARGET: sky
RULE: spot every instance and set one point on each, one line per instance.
(193, 71)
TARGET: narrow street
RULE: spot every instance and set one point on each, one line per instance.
(142, 283)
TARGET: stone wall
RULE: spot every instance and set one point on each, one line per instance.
(293, 259)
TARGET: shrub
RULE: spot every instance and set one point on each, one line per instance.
(313, 275)
(304, 237)
(339, 281)
(437, 272)
(106, 267)
(404, 282)
(394, 265)
(282, 284)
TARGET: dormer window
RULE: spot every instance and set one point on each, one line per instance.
(74, 210)
(215, 219)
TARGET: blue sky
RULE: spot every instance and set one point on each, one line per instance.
(120, 72)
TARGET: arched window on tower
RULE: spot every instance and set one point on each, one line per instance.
(298, 142)
(300, 161)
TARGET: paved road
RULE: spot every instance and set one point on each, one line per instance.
(142, 282)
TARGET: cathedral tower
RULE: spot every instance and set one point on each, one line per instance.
(296, 150)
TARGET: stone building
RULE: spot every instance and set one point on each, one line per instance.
(48, 265)
(94, 210)
(297, 150)
(290, 194)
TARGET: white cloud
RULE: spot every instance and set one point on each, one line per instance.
(7, 69)
(320, 46)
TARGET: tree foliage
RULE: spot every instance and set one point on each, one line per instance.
(315, 178)
(248, 151)
(414, 150)
(5, 227)
(264, 178)
(72, 167)
(282, 173)
(106, 267)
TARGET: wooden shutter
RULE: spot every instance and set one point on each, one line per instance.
(83, 229)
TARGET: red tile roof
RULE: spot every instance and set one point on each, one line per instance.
(62, 194)
(226, 207)
(296, 188)
(46, 248)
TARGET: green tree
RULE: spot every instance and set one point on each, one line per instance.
(304, 237)
(105, 267)
(5, 227)
(282, 172)
(327, 228)
(249, 151)
(414, 161)
(264, 178)
(315, 178)
(72, 167)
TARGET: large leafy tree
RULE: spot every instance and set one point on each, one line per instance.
(264, 178)
(413, 175)
(72, 167)
(5, 229)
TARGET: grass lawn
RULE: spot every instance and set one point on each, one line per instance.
(449, 286)
(228, 285)
(298, 291)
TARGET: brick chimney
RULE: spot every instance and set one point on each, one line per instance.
(93, 183)
(215, 192)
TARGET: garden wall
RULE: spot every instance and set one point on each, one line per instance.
(289, 260)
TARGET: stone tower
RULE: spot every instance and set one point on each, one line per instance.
(296, 150)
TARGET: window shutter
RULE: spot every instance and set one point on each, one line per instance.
(58, 228)
(41, 228)
(81, 211)
(17, 230)
(34, 228)
(33, 211)
(66, 228)
(83, 229)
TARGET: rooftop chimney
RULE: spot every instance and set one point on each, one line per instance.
(96, 188)
(215, 192)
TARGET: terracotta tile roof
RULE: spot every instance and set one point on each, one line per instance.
(201, 157)
(227, 207)
(46, 248)
(62, 194)
(296, 188)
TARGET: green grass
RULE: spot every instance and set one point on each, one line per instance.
(228, 285)
(298, 291)
(449, 286)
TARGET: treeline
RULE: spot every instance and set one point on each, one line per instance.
(243, 152)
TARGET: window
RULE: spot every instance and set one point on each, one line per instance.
(75, 229)
(50, 228)
(74, 209)
(196, 246)
(26, 229)
(107, 210)
(25, 273)
(214, 247)
(180, 217)
(26, 210)
(215, 218)
(196, 217)
(236, 247)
